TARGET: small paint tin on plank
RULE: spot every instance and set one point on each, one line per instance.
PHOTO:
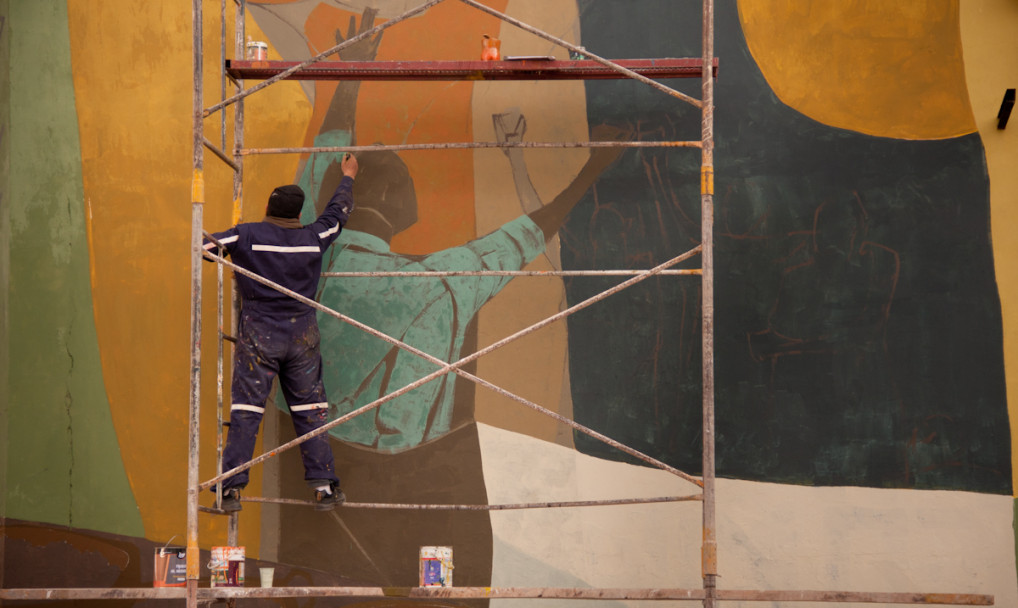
(436, 567)
(257, 51)
(227, 567)
(170, 567)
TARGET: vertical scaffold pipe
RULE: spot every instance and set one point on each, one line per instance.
(709, 557)
(232, 526)
(197, 202)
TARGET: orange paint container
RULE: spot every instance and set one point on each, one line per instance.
(490, 49)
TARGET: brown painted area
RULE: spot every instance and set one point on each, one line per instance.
(891, 69)
(382, 546)
(40, 556)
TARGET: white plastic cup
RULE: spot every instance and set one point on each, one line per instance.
(266, 576)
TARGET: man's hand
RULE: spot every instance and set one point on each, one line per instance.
(600, 158)
(510, 126)
(349, 165)
(366, 49)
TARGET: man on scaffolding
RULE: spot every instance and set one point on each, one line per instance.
(278, 335)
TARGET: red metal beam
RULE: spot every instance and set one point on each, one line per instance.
(522, 69)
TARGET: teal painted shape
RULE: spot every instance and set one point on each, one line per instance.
(430, 314)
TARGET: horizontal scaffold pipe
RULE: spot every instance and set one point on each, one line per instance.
(464, 145)
(561, 593)
(455, 367)
(511, 273)
(503, 507)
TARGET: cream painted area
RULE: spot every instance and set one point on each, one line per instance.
(535, 367)
(989, 29)
(770, 536)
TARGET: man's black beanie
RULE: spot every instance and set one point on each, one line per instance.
(286, 201)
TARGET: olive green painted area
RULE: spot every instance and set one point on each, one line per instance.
(64, 465)
(5, 237)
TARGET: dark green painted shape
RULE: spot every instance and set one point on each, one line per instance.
(858, 333)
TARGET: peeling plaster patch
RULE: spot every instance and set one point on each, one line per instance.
(63, 233)
(64, 335)
(3, 127)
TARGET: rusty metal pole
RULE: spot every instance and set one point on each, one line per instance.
(709, 557)
(197, 209)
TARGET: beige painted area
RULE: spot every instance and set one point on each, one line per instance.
(989, 29)
(133, 83)
(535, 367)
(891, 69)
(770, 536)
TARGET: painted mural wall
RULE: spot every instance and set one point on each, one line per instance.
(865, 291)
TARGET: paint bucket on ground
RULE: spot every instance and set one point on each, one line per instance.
(227, 567)
(436, 567)
(257, 51)
(170, 569)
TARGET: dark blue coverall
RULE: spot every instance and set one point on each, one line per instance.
(278, 335)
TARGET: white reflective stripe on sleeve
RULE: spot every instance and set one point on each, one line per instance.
(329, 232)
(247, 408)
(309, 406)
(280, 249)
(230, 239)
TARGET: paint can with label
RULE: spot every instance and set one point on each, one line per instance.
(257, 51)
(170, 567)
(436, 567)
(227, 567)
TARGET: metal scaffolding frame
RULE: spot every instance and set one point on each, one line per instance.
(594, 67)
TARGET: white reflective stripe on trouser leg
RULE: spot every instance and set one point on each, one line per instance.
(247, 408)
(309, 406)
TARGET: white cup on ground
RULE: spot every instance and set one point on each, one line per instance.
(266, 576)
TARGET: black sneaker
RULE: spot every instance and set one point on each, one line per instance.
(231, 500)
(326, 501)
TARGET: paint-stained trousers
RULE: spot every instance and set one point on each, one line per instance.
(286, 347)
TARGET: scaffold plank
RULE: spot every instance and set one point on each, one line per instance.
(651, 594)
(524, 69)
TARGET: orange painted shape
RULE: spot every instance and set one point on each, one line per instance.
(427, 112)
(137, 189)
